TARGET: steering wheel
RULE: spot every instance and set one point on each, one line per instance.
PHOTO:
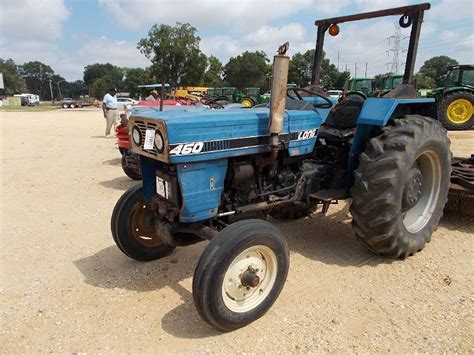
(214, 103)
(327, 104)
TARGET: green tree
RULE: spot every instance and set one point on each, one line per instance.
(247, 69)
(424, 82)
(133, 78)
(74, 89)
(37, 76)
(434, 68)
(101, 86)
(175, 54)
(213, 74)
(96, 71)
(13, 82)
(301, 70)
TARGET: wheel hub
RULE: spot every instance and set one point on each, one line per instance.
(421, 191)
(413, 189)
(250, 278)
(143, 225)
(460, 111)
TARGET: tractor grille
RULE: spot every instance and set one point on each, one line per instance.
(143, 127)
(216, 145)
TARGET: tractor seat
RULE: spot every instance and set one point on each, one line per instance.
(341, 121)
(335, 134)
(344, 114)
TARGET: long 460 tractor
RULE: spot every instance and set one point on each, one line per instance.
(206, 173)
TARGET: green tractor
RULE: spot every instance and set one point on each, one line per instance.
(250, 97)
(388, 82)
(221, 96)
(359, 88)
(456, 98)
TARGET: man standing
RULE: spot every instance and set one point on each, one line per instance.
(109, 106)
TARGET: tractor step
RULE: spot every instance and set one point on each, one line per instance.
(329, 195)
(326, 197)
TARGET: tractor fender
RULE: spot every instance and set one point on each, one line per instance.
(378, 111)
(453, 89)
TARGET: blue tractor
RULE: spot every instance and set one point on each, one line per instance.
(217, 174)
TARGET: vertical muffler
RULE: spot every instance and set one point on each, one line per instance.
(278, 102)
(279, 81)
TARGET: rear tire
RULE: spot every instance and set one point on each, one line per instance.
(455, 111)
(401, 186)
(247, 102)
(240, 274)
(133, 228)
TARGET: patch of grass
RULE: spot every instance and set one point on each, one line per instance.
(45, 106)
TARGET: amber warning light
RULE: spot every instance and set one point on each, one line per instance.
(334, 30)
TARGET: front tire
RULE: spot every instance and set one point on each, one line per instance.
(133, 228)
(240, 274)
(132, 172)
(456, 111)
(401, 186)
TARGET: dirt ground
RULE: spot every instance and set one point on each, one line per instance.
(67, 288)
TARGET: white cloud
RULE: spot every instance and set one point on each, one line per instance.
(25, 19)
(240, 16)
(374, 5)
(120, 53)
(71, 65)
(236, 16)
(329, 7)
(451, 10)
(265, 38)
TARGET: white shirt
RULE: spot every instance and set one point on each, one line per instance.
(110, 101)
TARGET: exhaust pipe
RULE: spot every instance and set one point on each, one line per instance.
(277, 104)
(278, 98)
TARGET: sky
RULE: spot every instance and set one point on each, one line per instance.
(70, 34)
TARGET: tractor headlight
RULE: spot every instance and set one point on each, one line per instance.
(137, 136)
(159, 143)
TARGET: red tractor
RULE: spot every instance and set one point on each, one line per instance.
(130, 160)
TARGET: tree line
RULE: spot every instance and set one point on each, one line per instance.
(177, 59)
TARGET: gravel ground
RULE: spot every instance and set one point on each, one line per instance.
(67, 288)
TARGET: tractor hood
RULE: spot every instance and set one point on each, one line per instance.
(185, 125)
(224, 132)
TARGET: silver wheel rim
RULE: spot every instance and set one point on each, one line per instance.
(419, 215)
(239, 298)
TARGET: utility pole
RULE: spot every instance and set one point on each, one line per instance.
(346, 67)
(337, 60)
(51, 91)
(355, 70)
(366, 69)
(59, 89)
